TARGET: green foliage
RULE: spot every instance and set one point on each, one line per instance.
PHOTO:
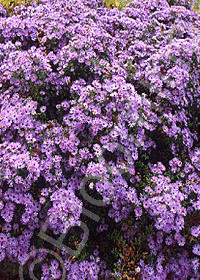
(10, 4)
(119, 4)
(196, 6)
(112, 3)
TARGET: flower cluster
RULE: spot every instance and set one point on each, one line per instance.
(109, 98)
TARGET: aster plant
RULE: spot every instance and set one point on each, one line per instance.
(104, 100)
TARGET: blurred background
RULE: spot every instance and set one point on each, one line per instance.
(9, 4)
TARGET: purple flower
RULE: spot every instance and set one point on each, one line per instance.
(1, 204)
(45, 269)
(196, 249)
(43, 109)
(2, 255)
(138, 211)
(195, 231)
(54, 264)
(169, 240)
(42, 200)
(118, 89)
(195, 263)
(159, 268)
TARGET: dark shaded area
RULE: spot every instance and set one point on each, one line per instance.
(163, 151)
(9, 270)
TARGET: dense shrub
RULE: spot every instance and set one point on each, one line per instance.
(110, 100)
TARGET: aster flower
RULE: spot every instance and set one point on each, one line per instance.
(140, 43)
(196, 249)
(2, 255)
(195, 231)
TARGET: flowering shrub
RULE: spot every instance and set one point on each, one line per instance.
(110, 100)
